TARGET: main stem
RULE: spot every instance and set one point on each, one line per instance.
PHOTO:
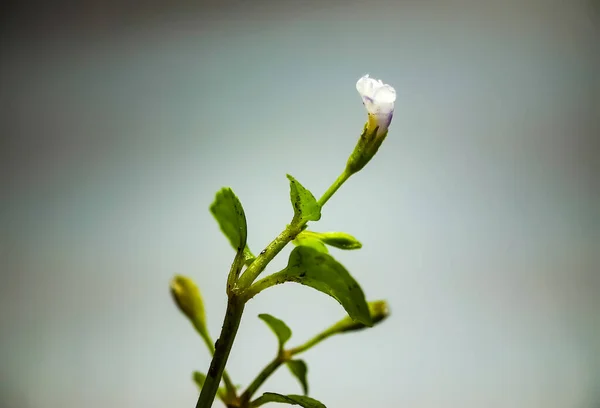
(233, 317)
(211, 347)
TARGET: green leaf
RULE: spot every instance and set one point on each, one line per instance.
(307, 240)
(292, 399)
(229, 213)
(322, 272)
(299, 369)
(305, 205)
(281, 330)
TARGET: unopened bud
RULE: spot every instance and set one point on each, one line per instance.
(339, 240)
(187, 297)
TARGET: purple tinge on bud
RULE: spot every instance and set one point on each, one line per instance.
(378, 99)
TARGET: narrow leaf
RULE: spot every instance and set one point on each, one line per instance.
(323, 273)
(299, 370)
(292, 399)
(281, 330)
(305, 205)
(229, 213)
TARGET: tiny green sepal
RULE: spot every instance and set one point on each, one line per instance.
(299, 370)
(306, 207)
(302, 400)
(367, 146)
(187, 297)
(281, 330)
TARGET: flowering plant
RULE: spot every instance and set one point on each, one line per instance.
(309, 264)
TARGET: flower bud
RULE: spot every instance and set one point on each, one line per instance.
(187, 297)
(378, 99)
(336, 239)
(339, 240)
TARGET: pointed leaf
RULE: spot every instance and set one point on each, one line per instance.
(310, 241)
(305, 205)
(229, 213)
(299, 369)
(292, 399)
(322, 272)
(281, 330)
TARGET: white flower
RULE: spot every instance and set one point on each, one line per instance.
(379, 100)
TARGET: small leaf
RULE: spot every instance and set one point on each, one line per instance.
(305, 205)
(309, 241)
(301, 400)
(323, 273)
(299, 369)
(281, 330)
(229, 213)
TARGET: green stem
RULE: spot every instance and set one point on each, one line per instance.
(235, 306)
(288, 234)
(267, 255)
(334, 187)
(259, 401)
(233, 317)
(210, 344)
(284, 356)
(260, 379)
(265, 283)
(312, 342)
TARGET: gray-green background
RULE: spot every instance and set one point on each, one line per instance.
(478, 216)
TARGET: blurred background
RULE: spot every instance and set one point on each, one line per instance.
(479, 215)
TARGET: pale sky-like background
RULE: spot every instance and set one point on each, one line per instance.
(479, 215)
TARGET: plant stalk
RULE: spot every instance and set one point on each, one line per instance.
(231, 323)
(210, 344)
(260, 379)
(235, 305)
